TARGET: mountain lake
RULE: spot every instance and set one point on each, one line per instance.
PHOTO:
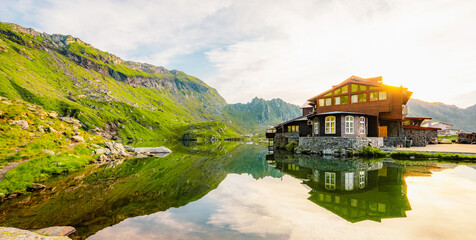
(231, 190)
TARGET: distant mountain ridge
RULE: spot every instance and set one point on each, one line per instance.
(259, 113)
(461, 118)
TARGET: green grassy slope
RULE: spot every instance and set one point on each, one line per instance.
(64, 74)
(21, 144)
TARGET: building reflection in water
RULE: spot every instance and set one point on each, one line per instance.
(352, 189)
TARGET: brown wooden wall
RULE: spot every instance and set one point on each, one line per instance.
(390, 109)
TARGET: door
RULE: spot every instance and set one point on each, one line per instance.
(382, 131)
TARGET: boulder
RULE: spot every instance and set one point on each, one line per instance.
(52, 114)
(41, 129)
(152, 150)
(22, 123)
(15, 233)
(75, 122)
(50, 129)
(35, 187)
(77, 139)
(49, 152)
(57, 231)
(100, 151)
(115, 147)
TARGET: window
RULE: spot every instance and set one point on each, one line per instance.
(361, 179)
(373, 96)
(328, 101)
(315, 175)
(362, 88)
(294, 128)
(329, 94)
(316, 127)
(344, 100)
(363, 97)
(321, 102)
(349, 181)
(337, 91)
(382, 95)
(345, 89)
(362, 125)
(349, 125)
(330, 125)
(330, 181)
(354, 87)
(373, 87)
(337, 100)
(354, 98)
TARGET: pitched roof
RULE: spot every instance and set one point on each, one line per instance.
(298, 119)
(375, 81)
(307, 104)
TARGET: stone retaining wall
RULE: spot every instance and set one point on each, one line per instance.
(393, 141)
(338, 145)
(420, 137)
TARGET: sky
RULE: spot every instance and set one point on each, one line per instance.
(291, 50)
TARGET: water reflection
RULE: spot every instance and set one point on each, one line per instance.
(352, 189)
(99, 197)
(232, 191)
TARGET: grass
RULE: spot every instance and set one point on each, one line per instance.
(17, 144)
(447, 138)
(39, 169)
(423, 155)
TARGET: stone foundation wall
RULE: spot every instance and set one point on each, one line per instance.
(338, 145)
(420, 137)
(393, 141)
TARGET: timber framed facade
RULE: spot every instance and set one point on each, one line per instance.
(355, 108)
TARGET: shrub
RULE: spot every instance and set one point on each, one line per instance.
(291, 145)
(371, 152)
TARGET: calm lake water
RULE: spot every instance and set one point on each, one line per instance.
(237, 191)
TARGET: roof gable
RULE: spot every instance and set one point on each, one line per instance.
(375, 81)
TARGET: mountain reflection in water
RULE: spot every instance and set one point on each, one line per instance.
(236, 191)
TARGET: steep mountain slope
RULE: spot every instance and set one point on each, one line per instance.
(131, 99)
(462, 119)
(258, 114)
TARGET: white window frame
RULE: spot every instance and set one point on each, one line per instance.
(330, 181)
(316, 127)
(361, 179)
(337, 100)
(349, 181)
(330, 124)
(349, 124)
(362, 128)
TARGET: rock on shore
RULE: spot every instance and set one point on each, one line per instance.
(15, 233)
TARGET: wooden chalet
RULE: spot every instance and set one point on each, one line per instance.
(362, 107)
(384, 105)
